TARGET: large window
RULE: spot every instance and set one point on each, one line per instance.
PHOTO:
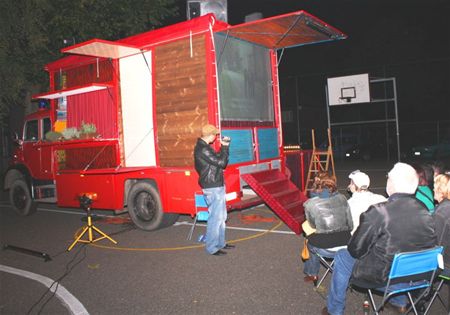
(245, 80)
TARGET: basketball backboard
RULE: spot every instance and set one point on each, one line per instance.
(348, 90)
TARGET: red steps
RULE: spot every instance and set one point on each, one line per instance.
(280, 194)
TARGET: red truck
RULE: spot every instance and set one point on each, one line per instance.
(127, 114)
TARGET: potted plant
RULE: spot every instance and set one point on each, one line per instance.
(88, 130)
(53, 136)
(71, 133)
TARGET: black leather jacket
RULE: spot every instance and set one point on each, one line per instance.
(332, 220)
(329, 215)
(210, 164)
(442, 219)
(401, 224)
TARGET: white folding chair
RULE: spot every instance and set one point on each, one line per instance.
(328, 263)
(201, 212)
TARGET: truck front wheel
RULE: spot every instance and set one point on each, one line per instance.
(20, 198)
(145, 208)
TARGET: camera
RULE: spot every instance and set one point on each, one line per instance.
(226, 139)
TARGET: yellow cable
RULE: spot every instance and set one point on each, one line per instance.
(183, 247)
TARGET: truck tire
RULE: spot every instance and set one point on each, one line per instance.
(20, 198)
(145, 208)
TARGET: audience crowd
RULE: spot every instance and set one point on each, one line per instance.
(362, 234)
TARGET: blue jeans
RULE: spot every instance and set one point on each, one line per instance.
(215, 230)
(342, 271)
(343, 266)
(312, 265)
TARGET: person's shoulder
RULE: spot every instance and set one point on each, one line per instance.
(339, 196)
(310, 201)
(377, 208)
(425, 189)
(376, 198)
(443, 209)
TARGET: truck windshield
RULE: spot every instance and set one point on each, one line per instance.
(245, 82)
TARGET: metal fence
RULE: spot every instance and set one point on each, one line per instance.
(380, 140)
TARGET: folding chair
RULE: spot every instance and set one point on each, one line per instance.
(201, 212)
(441, 279)
(328, 263)
(417, 268)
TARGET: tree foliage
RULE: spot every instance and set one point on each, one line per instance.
(32, 33)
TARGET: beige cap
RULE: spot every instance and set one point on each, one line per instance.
(209, 130)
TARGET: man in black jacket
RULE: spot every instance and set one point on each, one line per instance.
(399, 225)
(209, 165)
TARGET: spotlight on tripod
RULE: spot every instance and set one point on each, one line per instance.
(86, 200)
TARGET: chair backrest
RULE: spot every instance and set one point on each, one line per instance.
(200, 201)
(415, 263)
(201, 208)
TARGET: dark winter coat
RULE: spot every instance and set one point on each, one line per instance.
(210, 164)
(401, 224)
(442, 220)
(331, 218)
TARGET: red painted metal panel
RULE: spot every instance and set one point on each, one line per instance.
(211, 80)
(70, 185)
(298, 163)
(94, 107)
(277, 105)
(281, 195)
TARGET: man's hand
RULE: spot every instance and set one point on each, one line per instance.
(225, 141)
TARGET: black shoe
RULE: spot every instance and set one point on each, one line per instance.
(220, 253)
(325, 311)
(229, 246)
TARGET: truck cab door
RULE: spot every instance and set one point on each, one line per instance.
(31, 154)
(46, 160)
(37, 154)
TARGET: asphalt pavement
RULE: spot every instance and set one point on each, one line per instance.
(160, 272)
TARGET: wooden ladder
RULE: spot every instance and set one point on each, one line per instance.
(321, 161)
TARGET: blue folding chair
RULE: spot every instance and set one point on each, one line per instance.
(419, 268)
(201, 212)
(444, 277)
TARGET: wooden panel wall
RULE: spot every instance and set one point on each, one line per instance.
(181, 99)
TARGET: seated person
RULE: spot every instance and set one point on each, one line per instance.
(424, 192)
(328, 213)
(442, 220)
(361, 198)
(401, 224)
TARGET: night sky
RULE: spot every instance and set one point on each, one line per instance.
(408, 40)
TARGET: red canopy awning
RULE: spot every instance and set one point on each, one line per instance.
(284, 31)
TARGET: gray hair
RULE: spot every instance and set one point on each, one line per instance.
(404, 178)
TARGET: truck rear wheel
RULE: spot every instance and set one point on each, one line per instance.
(20, 198)
(145, 208)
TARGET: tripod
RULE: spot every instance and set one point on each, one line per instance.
(85, 203)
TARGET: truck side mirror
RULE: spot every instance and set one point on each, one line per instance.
(16, 139)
